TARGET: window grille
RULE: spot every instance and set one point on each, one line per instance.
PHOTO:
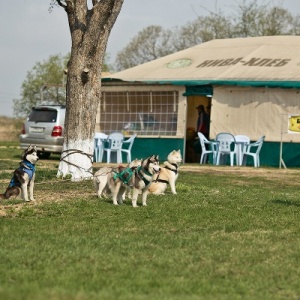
(148, 113)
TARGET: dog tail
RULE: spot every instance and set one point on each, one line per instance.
(95, 182)
(11, 192)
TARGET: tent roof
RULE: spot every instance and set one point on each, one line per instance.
(257, 61)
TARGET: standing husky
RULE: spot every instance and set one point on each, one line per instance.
(168, 174)
(136, 178)
(23, 176)
(103, 177)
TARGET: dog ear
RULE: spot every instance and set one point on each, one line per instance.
(29, 149)
(23, 155)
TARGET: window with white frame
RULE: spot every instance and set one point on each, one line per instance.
(149, 113)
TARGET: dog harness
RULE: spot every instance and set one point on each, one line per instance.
(138, 171)
(27, 167)
(127, 173)
(124, 176)
(174, 170)
(166, 181)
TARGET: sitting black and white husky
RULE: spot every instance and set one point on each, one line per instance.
(23, 177)
(135, 176)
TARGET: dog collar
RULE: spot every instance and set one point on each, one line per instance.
(28, 165)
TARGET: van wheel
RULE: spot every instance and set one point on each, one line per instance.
(43, 155)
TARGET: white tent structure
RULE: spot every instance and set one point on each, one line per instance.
(254, 83)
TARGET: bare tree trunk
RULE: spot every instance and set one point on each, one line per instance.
(90, 29)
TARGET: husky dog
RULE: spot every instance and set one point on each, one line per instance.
(136, 177)
(168, 174)
(23, 176)
(104, 175)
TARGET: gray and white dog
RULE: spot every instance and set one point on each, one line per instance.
(23, 177)
(136, 176)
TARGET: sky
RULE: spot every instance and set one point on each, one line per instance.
(30, 34)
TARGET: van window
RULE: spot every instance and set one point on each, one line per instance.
(43, 115)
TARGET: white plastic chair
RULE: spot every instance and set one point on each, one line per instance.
(128, 145)
(241, 142)
(114, 144)
(253, 149)
(99, 137)
(204, 152)
(226, 146)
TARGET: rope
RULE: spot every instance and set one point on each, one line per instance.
(76, 151)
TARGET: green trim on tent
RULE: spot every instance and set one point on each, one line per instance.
(245, 83)
(202, 90)
(269, 155)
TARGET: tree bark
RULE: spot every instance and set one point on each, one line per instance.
(90, 29)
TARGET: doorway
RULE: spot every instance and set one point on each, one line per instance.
(193, 149)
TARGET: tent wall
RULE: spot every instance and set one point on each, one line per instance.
(255, 112)
(270, 154)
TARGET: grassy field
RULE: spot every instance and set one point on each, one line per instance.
(230, 233)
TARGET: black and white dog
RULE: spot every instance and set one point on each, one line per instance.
(136, 177)
(23, 177)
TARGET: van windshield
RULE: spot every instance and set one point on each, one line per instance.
(43, 115)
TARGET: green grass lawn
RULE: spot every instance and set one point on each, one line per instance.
(230, 233)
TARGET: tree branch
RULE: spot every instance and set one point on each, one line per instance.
(66, 4)
(62, 4)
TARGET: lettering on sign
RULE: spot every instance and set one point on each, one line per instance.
(252, 62)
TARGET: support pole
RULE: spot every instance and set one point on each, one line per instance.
(281, 161)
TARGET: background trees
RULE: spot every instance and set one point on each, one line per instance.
(150, 43)
(46, 79)
(44, 83)
(246, 19)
